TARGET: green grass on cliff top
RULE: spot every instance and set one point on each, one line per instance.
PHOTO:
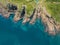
(53, 7)
(30, 4)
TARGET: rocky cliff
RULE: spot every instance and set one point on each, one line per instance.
(52, 27)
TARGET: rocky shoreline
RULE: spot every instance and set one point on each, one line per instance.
(52, 27)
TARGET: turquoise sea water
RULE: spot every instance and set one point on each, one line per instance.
(12, 33)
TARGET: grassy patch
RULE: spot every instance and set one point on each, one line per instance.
(51, 5)
(53, 0)
(30, 4)
(53, 8)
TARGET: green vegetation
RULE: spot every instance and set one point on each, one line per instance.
(30, 4)
(53, 0)
(53, 7)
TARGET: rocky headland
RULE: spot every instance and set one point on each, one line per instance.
(52, 27)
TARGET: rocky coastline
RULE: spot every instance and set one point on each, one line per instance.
(52, 27)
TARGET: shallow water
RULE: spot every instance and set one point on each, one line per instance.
(12, 33)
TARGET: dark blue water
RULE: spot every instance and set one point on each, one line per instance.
(12, 33)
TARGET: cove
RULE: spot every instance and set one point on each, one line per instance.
(12, 33)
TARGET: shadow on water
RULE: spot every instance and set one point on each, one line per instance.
(12, 33)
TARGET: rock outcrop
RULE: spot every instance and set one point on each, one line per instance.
(52, 27)
(17, 16)
(4, 12)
